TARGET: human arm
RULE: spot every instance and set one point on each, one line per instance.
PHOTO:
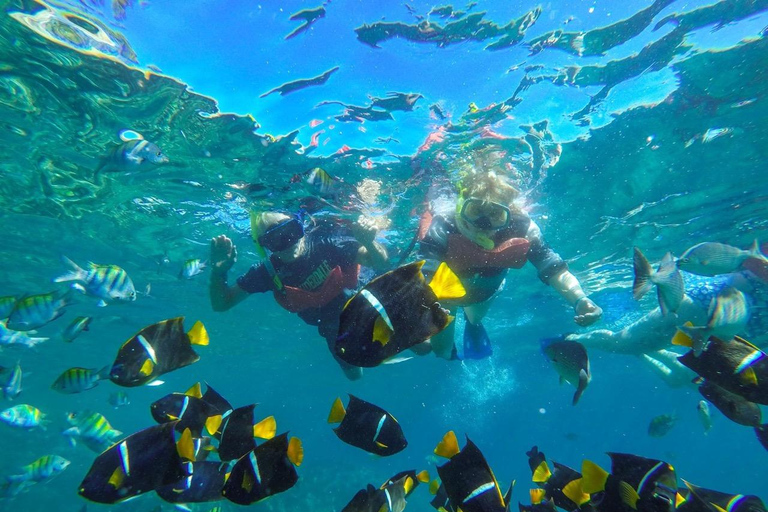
(223, 256)
(371, 253)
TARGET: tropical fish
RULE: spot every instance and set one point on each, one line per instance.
(131, 155)
(369, 499)
(614, 493)
(204, 482)
(23, 416)
(571, 362)
(469, 482)
(7, 304)
(660, 425)
(704, 416)
(723, 502)
(728, 315)
(562, 486)
(77, 380)
(237, 430)
(74, 329)
(733, 406)
(712, 258)
(191, 268)
(155, 350)
(265, 471)
(394, 312)
(190, 409)
(762, 435)
(9, 337)
(107, 282)
(668, 280)
(416, 478)
(322, 184)
(736, 365)
(118, 399)
(538, 503)
(654, 480)
(34, 311)
(367, 426)
(12, 385)
(92, 429)
(142, 462)
(41, 470)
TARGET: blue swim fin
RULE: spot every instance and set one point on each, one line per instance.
(477, 345)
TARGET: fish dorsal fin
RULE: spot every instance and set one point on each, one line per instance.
(423, 476)
(295, 451)
(448, 446)
(213, 423)
(537, 496)
(147, 368)
(337, 412)
(434, 485)
(266, 428)
(194, 391)
(198, 335)
(681, 339)
(594, 477)
(575, 493)
(739, 339)
(446, 284)
(185, 446)
(381, 331)
(542, 473)
(717, 507)
(628, 495)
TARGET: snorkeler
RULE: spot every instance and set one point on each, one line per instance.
(487, 235)
(649, 336)
(312, 273)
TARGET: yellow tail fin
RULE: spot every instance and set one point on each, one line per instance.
(434, 485)
(542, 473)
(449, 446)
(445, 284)
(575, 493)
(198, 335)
(194, 391)
(681, 339)
(266, 428)
(295, 451)
(537, 496)
(337, 412)
(423, 476)
(185, 446)
(213, 423)
(593, 477)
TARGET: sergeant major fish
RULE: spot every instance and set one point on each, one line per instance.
(23, 416)
(92, 429)
(107, 282)
(191, 268)
(712, 258)
(74, 329)
(6, 306)
(661, 425)
(77, 380)
(34, 311)
(12, 386)
(41, 470)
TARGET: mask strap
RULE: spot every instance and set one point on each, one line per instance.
(264, 256)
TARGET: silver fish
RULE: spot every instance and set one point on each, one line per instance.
(10, 337)
(107, 282)
(191, 268)
(571, 362)
(712, 258)
(130, 155)
(12, 386)
(33, 311)
(704, 416)
(668, 280)
(727, 316)
(74, 329)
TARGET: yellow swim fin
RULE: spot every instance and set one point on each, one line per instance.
(449, 446)
(266, 428)
(198, 335)
(681, 339)
(337, 412)
(445, 284)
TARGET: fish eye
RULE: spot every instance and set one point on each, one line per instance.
(159, 153)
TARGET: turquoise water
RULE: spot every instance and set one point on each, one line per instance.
(641, 168)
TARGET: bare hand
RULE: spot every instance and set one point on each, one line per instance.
(587, 312)
(223, 254)
(364, 230)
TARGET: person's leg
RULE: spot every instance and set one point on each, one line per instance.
(666, 365)
(328, 327)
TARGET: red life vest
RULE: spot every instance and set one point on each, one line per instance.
(462, 254)
(296, 299)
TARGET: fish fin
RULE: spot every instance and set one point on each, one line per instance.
(185, 446)
(266, 428)
(156, 383)
(739, 339)
(104, 373)
(194, 391)
(643, 272)
(593, 477)
(423, 476)
(583, 383)
(628, 495)
(681, 338)
(395, 359)
(101, 304)
(448, 446)
(198, 335)
(147, 368)
(542, 473)
(434, 485)
(679, 500)
(573, 491)
(408, 485)
(117, 477)
(446, 284)
(337, 412)
(508, 495)
(537, 496)
(213, 423)
(562, 380)
(748, 376)
(75, 272)
(295, 451)
(381, 445)
(381, 331)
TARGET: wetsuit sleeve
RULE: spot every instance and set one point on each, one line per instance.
(256, 280)
(541, 255)
(435, 243)
(347, 250)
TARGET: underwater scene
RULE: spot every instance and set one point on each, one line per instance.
(364, 256)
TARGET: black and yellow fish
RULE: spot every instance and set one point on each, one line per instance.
(608, 493)
(394, 312)
(562, 486)
(654, 480)
(736, 365)
(733, 406)
(237, 430)
(538, 503)
(204, 482)
(719, 501)
(415, 479)
(390, 497)
(143, 462)
(367, 426)
(469, 482)
(190, 409)
(155, 350)
(265, 471)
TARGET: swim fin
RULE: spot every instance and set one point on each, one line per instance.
(477, 345)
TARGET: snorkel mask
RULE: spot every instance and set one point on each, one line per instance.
(485, 215)
(281, 236)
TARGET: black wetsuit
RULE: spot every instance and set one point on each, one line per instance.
(482, 282)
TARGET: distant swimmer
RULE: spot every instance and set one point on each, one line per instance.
(385, 140)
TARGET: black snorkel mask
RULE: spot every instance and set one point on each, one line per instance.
(284, 235)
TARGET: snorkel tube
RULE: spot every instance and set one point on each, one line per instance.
(467, 230)
(263, 254)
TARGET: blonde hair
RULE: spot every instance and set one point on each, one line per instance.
(262, 222)
(488, 186)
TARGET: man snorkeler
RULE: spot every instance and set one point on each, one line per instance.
(311, 271)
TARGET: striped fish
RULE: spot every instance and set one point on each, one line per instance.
(34, 311)
(132, 154)
(23, 416)
(12, 386)
(9, 337)
(77, 380)
(107, 282)
(6, 306)
(92, 429)
(44, 468)
(74, 329)
(191, 268)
